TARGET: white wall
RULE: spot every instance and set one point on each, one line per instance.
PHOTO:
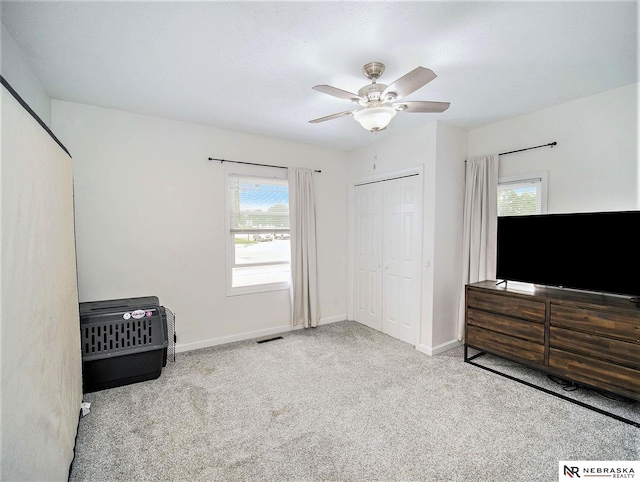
(594, 167)
(440, 151)
(22, 78)
(150, 219)
(39, 323)
(451, 148)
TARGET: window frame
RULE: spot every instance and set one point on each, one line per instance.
(527, 177)
(230, 254)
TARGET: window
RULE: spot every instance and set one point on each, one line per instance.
(259, 253)
(522, 195)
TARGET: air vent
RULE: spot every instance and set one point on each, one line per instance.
(269, 339)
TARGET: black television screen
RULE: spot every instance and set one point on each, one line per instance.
(587, 251)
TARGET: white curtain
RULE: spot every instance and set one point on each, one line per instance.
(480, 226)
(304, 271)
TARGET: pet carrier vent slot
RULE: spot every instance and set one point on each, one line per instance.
(119, 335)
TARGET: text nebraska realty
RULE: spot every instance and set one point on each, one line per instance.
(613, 472)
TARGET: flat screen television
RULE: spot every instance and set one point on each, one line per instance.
(586, 251)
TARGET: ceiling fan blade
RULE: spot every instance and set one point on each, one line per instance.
(339, 93)
(422, 106)
(332, 116)
(409, 83)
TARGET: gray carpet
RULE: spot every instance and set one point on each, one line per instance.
(340, 402)
(614, 404)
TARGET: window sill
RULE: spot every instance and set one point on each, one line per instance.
(253, 289)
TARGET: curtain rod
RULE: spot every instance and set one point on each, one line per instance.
(252, 163)
(551, 144)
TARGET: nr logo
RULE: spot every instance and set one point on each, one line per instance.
(571, 471)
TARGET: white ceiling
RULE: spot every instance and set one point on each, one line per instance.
(250, 66)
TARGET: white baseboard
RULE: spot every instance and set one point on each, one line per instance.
(332, 319)
(183, 347)
(436, 350)
(231, 338)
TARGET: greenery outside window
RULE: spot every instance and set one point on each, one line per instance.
(522, 195)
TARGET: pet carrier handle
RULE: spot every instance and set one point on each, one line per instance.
(124, 305)
(105, 306)
(114, 306)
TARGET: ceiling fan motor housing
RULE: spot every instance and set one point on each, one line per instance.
(372, 92)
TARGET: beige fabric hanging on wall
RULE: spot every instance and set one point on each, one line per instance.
(305, 308)
(41, 381)
(480, 226)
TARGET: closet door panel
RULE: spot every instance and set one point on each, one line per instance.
(401, 263)
(368, 255)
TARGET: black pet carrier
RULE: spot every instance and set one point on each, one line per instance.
(124, 341)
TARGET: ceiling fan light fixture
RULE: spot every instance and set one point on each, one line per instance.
(375, 118)
(376, 98)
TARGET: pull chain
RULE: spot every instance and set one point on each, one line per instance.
(375, 154)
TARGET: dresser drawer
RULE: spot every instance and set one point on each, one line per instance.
(532, 310)
(616, 351)
(613, 324)
(507, 325)
(506, 346)
(578, 366)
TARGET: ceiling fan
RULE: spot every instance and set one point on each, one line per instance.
(377, 101)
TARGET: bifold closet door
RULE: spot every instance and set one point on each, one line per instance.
(368, 254)
(400, 258)
(387, 261)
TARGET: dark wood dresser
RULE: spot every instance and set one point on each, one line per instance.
(588, 338)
